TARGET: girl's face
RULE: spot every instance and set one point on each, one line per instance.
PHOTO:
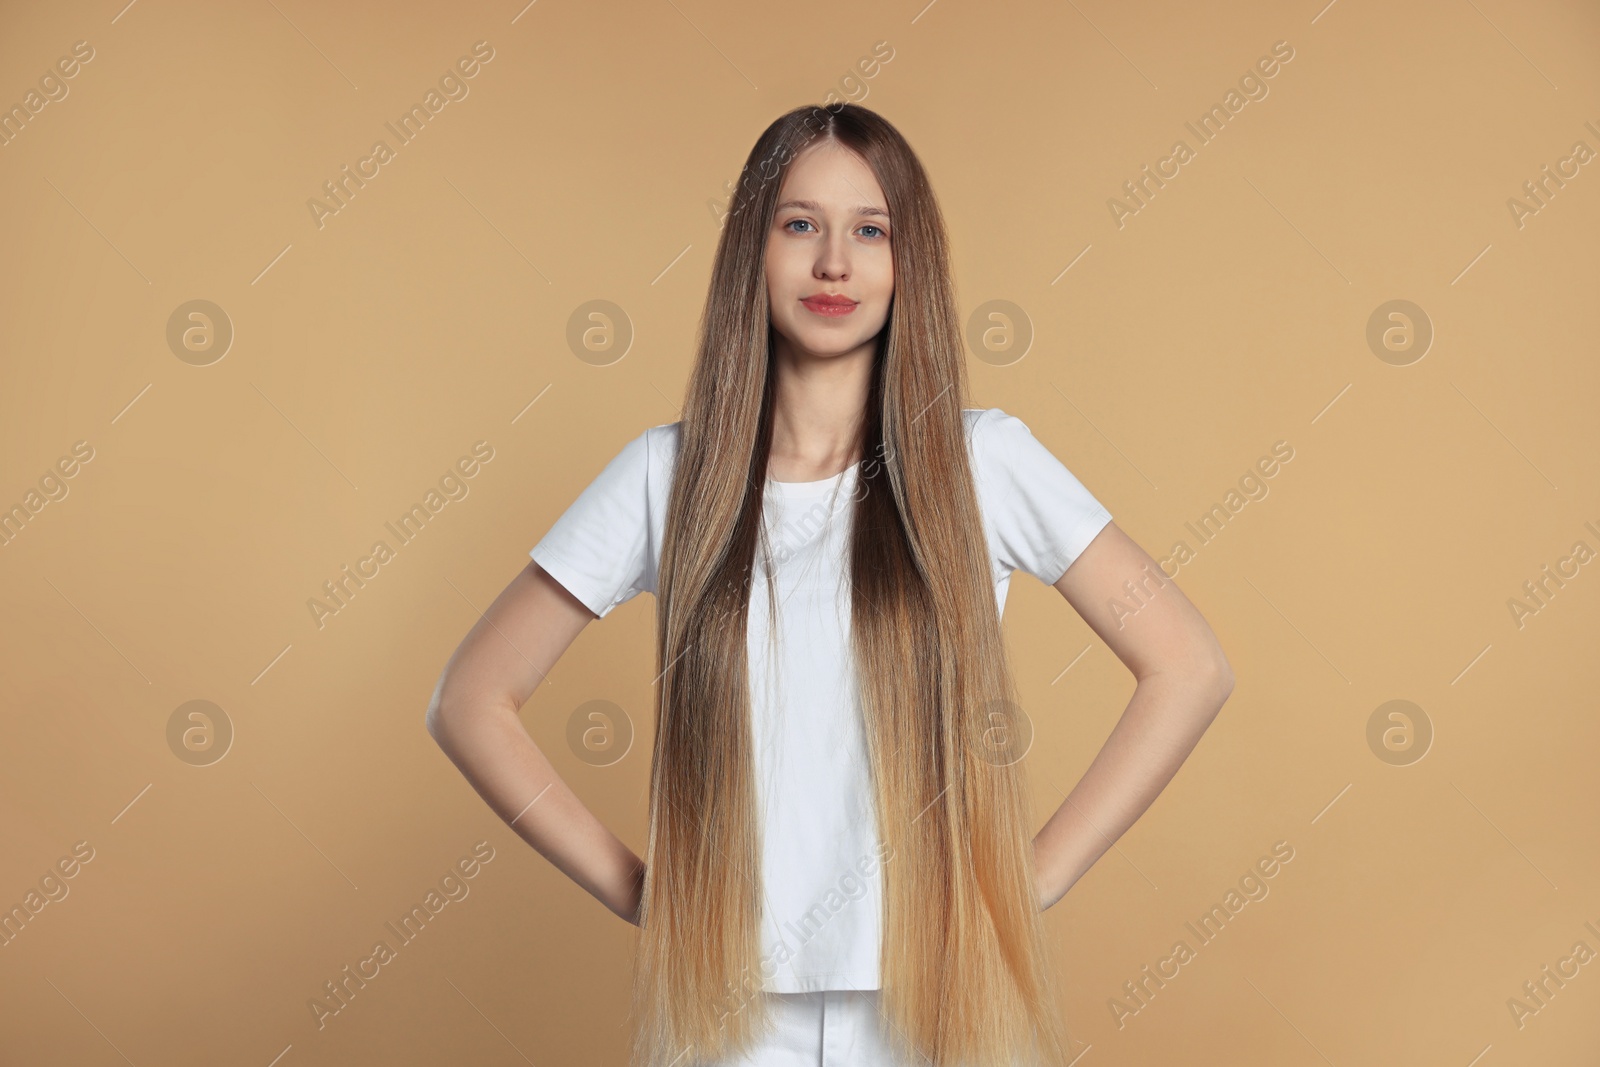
(829, 239)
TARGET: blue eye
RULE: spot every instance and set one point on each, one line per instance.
(807, 222)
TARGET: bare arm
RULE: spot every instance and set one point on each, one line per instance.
(473, 717)
(1183, 681)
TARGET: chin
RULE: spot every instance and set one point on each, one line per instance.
(832, 344)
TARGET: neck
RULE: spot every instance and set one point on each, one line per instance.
(819, 402)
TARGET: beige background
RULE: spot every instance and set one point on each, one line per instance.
(433, 312)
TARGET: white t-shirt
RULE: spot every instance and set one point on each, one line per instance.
(821, 859)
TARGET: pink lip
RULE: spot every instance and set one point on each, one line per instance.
(833, 307)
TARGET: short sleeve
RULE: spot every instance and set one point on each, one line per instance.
(599, 548)
(1040, 517)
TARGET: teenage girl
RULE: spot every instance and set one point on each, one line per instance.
(840, 865)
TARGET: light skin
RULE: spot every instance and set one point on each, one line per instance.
(829, 234)
(821, 242)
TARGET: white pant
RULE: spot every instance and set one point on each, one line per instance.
(829, 1028)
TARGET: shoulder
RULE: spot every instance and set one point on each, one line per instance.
(1010, 464)
(636, 465)
(992, 434)
(982, 421)
(661, 444)
(652, 445)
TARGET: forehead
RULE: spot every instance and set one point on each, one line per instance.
(828, 176)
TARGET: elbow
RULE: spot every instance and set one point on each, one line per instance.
(433, 721)
(1219, 676)
(1215, 672)
(1206, 685)
(451, 709)
(435, 718)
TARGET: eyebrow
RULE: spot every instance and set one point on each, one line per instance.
(812, 205)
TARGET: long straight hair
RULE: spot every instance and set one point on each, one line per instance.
(964, 966)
